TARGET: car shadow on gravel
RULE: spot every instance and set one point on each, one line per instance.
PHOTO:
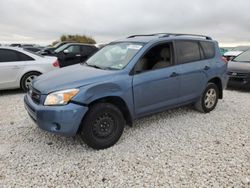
(74, 143)
(171, 113)
(50, 141)
(11, 92)
(240, 89)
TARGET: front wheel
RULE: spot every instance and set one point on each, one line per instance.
(103, 126)
(209, 99)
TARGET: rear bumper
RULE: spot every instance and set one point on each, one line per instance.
(64, 120)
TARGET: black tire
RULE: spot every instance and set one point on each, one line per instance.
(25, 77)
(102, 126)
(202, 105)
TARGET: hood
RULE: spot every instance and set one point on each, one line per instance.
(233, 53)
(70, 77)
(240, 67)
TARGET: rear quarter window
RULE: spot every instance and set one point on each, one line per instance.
(7, 55)
(24, 57)
(208, 49)
(187, 51)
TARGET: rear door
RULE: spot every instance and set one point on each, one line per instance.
(12, 64)
(193, 68)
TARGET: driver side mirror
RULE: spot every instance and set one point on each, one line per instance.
(66, 51)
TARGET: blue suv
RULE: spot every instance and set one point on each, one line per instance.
(126, 80)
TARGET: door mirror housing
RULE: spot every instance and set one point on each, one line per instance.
(66, 51)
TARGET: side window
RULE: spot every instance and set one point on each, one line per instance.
(24, 57)
(8, 55)
(92, 50)
(74, 49)
(208, 49)
(157, 57)
(187, 51)
(88, 50)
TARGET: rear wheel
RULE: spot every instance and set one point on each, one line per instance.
(209, 99)
(102, 126)
(27, 80)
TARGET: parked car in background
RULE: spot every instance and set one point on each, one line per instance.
(50, 50)
(22, 45)
(73, 53)
(223, 51)
(27, 45)
(239, 70)
(33, 49)
(126, 80)
(235, 52)
(18, 67)
(15, 45)
(231, 54)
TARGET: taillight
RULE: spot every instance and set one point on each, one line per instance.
(224, 59)
(56, 64)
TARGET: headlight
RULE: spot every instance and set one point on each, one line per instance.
(60, 97)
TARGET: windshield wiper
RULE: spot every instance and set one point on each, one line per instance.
(99, 67)
(110, 68)
(95, 66)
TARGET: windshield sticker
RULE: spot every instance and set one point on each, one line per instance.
(135, 47)
(119, 66)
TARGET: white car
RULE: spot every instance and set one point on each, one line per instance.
(19, 67)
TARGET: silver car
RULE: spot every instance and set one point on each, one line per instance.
(239, 70)
(19, 67)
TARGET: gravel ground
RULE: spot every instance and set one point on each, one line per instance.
(177, 148)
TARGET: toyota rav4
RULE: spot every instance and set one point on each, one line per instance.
(126, 80)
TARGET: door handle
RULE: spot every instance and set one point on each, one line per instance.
(78, 55)
(174, 74)
(206, 68)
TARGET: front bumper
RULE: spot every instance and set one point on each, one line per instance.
(64, 120)
(239, 80)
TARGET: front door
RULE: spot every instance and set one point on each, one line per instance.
(73, 56)
(155, 90)
(156, 81)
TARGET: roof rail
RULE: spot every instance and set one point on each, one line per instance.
(142, 35)
(171, 34)
(191, 35)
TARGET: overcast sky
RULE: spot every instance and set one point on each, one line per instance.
(43, 21)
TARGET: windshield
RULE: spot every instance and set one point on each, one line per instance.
(58, 44)
(114, 56)
(61, 48)
(244, 57)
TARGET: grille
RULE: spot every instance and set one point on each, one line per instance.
(237, 74)
(35, 95)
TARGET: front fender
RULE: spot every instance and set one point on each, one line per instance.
(101, 91)
(121, 89)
